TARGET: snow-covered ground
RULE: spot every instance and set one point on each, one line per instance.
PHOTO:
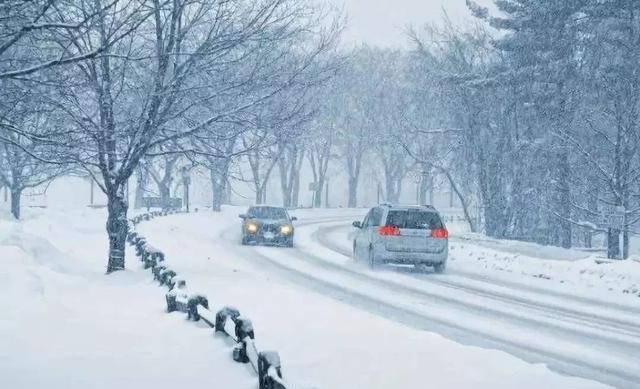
(336, 324)
(65, 324)
(575, 321)
(568, 271)
(273, 286)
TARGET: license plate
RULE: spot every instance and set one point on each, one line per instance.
(269, 235)
(411, 232)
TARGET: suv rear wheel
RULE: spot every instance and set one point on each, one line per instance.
(440, 267)
(371, 257)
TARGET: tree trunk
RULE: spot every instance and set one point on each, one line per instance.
(117, 228)
(353, 192)
(462, 199)
(261, 196)
(15, 202)
(295, 190)
(565, 200)
(218, 189)
(451, 197)
(613, 244)
(588, 239)
(286, 198)
(285, 183)
(354, 163)
(141, 184)
(165, 193)
(423, 190)
(393, 187)
(317, 196)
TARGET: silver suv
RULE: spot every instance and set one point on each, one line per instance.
(412, 235)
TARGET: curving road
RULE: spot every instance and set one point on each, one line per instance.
(571, 334)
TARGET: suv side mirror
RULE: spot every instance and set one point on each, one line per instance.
(242, 216)
(293, 218)
(357, 224)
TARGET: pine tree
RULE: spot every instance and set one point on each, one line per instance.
(538, 40)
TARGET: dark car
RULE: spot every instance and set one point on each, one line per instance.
(267, 225)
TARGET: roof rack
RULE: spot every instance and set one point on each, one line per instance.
(391, 205)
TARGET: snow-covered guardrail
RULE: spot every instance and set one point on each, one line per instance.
(226, 321)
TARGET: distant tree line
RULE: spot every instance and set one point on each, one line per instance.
(530, 115)
(108, 88)
(538, 109)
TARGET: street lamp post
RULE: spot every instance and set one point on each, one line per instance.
(186, 180)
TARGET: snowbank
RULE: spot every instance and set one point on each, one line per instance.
(64, 324)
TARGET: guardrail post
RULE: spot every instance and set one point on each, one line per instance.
(222, 316)
(194, 301)
(159, 256)
(171, 302)
(269, 371)
(146, 259)
(157, 272)
(140, 242)
(167, 275)
(240, 352)
(244, 328)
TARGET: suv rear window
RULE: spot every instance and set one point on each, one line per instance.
(414, 219)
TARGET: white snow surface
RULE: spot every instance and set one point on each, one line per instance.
(325, 342)
(569, 271)
(65, 324)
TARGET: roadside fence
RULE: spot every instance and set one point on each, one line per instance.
(226, 321)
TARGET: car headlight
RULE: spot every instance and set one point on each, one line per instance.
(286, 229)
(252, 227)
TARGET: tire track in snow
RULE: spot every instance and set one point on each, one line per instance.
(497, 281)
(599, 322)
(421, 319)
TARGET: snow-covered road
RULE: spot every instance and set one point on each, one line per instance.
(572, 334)
(569, 331)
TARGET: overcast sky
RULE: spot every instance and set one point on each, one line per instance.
(383, 22)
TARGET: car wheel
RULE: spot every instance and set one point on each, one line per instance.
(372, 262)
(440, 268)
(245, 240)
(289, 243)
(422, 268)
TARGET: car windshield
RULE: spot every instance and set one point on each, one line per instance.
(414, 219)
(267, 213)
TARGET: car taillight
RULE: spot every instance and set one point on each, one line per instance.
(389, 231)
(439, 233)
